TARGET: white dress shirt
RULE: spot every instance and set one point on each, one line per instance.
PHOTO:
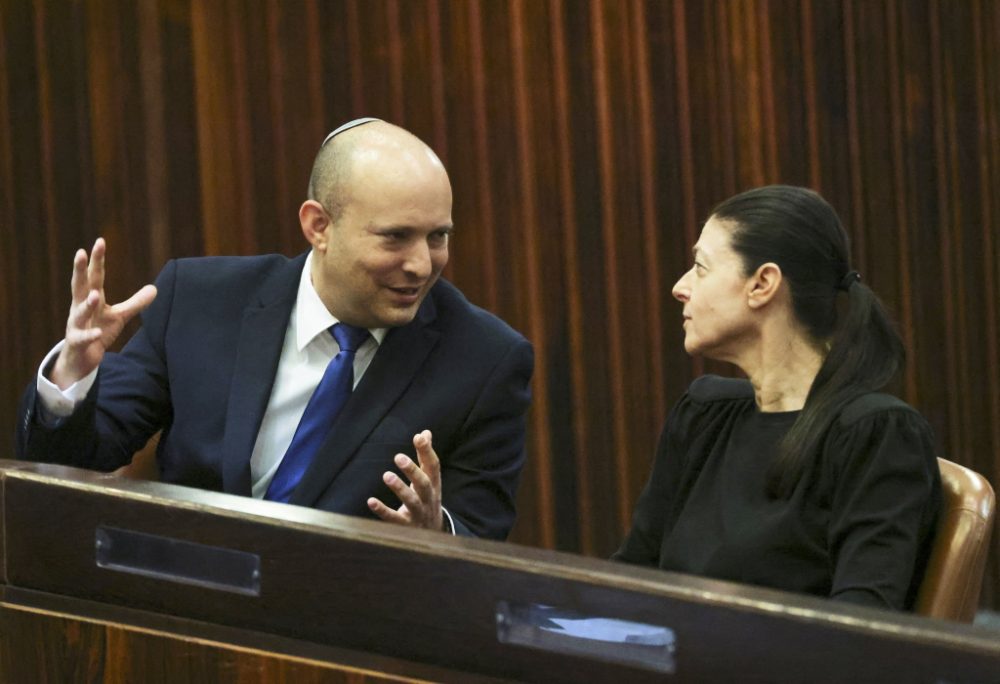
(305, 354)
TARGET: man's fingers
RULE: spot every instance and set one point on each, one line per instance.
(402, 491)
(95, 271)
(427, 457)
(386, 513)
(80, 314)
(136, 303)
(82, 337)
(418, 478)
(78, 283)
(421, 498)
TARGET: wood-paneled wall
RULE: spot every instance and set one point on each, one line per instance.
(586, 141)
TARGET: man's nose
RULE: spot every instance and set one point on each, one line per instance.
(418, 259)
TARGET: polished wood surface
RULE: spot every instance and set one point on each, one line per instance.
(375, 598)
(586, 141)
(41, 645)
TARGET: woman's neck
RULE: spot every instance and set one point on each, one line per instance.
(782, 369)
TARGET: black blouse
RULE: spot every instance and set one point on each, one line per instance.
(857, 527)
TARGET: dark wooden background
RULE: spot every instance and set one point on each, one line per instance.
(586, 142)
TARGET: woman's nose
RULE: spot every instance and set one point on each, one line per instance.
(681, 291)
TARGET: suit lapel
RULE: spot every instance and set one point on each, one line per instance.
(262, 333)
(396, 362)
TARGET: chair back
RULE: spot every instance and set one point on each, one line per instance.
(954, 573)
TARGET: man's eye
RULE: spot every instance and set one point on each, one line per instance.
(439, 237)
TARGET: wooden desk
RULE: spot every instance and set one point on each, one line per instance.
(344, 599)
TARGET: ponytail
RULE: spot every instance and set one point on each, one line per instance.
(865, 353)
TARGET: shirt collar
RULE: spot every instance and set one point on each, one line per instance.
(311, 315)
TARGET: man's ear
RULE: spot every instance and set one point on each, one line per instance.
(764, 285)
(315, 224)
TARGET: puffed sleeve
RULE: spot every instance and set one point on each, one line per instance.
(886, 494)
(642, 545)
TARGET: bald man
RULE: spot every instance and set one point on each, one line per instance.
(430, 432)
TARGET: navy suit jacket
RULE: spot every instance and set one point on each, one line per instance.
(201, 369)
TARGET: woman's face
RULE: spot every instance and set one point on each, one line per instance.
(715, 294)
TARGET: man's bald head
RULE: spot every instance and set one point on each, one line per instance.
(378, 218)
(333, 169)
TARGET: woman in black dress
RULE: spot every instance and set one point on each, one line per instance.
(802, 477)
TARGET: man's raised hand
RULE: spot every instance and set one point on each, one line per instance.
(421, 499)
(93, 325)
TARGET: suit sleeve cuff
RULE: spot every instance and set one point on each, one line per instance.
(54, 403)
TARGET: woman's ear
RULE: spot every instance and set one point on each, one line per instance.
(315, 223)
(764, 285)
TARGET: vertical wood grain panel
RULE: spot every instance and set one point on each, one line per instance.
(397, 110)
(987, 217)
(50, 217)
(988, 87)
(898, 124)
(578, 375)
(727, 150)
(602, 16)
(313, 42)
(210, 84)
(992, 588)
(355, 62)
(180, 114)
(853, 134)
(941, 143)
(953, 237)
(241, 146)
(13, 340)
(280, 98)
(151, 82)
(648, 180)
(810, 87)
(919, 213)
(743, 89)
(25, 273)
(786, 62)
(586, 140)
(528, 220)
(769, 132)
(595, 457)
(438, 111)
(476, 235)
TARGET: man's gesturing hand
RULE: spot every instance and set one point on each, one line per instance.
(93, 324)
(421, 499)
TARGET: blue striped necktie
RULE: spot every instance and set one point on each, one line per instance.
(325, 403)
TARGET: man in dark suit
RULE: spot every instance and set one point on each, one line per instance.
(232, 348)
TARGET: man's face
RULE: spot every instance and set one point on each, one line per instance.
(376, 264)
